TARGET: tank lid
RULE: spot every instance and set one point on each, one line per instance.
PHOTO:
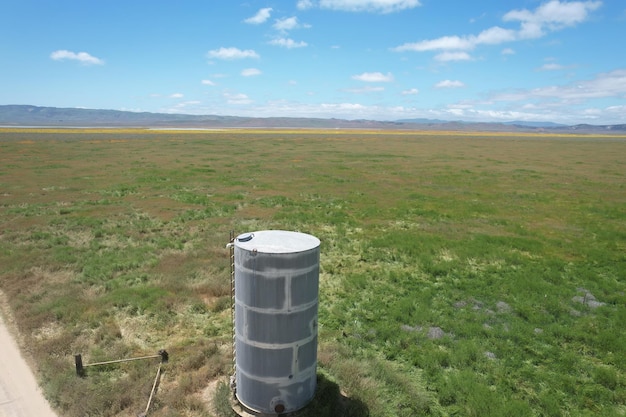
(277, 241)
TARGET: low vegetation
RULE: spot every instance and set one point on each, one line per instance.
(461, 274)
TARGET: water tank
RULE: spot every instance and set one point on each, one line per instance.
(276, 293)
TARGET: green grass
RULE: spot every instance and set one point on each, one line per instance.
(461, 274)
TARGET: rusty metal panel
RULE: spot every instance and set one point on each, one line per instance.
(276, 297)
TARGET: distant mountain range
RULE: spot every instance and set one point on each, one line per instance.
(25, 115)
(514, 123)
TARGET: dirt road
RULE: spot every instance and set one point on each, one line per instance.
(20, 395)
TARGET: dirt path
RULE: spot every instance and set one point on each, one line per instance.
(20, 395)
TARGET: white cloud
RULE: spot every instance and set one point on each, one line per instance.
(82, 57)
(554, 15)
(604, 85)
(343, 106)
(452, 56)
(261, 16)
(374, 77)
(183, 107)
(619, 109)
(207, 82)
(232, 53)
(188, 103)
(493, 36)
(238, 98)
(443, 43)
(288, 43)
(550, 16)
(508, 51)
(288, 23)
(596, 100)
(250, 72)
(177, 95)
(343, 111)
(449, 84)
(475, 19)
(410, 92)
(617, 113)
(536, 110)
(551, 67)
(594, 112)
(456, 112)
(375, 6)
(305, 4)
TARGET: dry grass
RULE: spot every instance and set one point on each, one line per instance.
(112, 245)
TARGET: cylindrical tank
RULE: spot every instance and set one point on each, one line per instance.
(276, 293)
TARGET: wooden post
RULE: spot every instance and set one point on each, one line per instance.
(78, 359)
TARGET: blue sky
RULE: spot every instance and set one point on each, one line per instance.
(535, 60)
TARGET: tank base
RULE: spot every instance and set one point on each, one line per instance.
(242, 411)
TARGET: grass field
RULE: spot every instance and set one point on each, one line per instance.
(461, 274)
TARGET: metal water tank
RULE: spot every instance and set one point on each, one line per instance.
(276, 297)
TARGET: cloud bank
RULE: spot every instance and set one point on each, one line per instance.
(551, 16)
